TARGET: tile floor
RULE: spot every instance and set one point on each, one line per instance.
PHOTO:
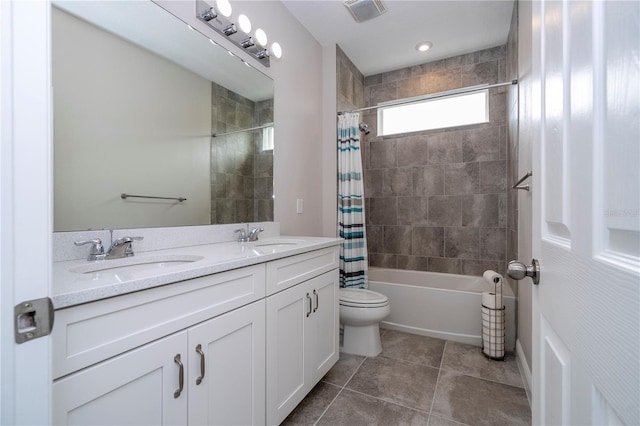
(417, 380)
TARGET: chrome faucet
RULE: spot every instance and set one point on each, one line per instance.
(244, 235)
(121, 247)
(253, 234)
(97, 249)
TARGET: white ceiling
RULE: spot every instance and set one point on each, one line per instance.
(388, 42)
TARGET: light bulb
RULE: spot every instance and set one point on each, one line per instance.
(261, 37)
(276, 50)
(224, 7)
(244, 23)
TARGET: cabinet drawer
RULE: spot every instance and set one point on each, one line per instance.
(287, 272)
(86, 334)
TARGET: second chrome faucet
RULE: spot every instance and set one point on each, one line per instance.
(246, 235)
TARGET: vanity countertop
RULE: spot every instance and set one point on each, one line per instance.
(74, 288)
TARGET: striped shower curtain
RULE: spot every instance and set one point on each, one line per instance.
(353, 251)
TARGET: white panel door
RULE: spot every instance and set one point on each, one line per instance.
(136, 388)
(586, 197)
(25, 204)
(227, 368)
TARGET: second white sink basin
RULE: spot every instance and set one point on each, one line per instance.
(136, 264)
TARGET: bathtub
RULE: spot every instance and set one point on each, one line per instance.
(446, 306)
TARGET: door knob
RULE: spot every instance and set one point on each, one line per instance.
(518, 270)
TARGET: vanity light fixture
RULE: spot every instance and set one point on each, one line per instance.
(229, 29)
(247, 42)
(423, 46)
(208, 14)
(224, 7)
(236, 28)
(244, 23)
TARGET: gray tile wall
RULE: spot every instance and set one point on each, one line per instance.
(438, 200)
(241, 175)
(263, 166)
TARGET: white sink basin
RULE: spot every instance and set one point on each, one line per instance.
(273, 246)
(136, 264)
(278, 244)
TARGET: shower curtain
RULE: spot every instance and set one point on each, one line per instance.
(353, 251)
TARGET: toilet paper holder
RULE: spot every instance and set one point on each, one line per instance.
(493, 319)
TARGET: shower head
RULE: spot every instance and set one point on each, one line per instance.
(364, 127)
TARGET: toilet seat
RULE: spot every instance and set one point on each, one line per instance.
(362, 298)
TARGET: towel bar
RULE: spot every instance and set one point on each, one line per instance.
(125, 196)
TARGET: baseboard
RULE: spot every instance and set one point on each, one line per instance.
(525, 371)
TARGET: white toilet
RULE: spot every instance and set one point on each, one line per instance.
(360, 312)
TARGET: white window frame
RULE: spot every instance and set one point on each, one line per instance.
(431, 100)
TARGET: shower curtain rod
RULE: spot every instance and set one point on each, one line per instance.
(215, 135)
(434, 96)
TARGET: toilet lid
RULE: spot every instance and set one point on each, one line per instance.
(360, 296)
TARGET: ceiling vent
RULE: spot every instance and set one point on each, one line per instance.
(363, 10)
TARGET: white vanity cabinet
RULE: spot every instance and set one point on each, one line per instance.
(302, 333)
(218, 378)
(237, 347)
(135, 388)
(227, 354)
(107, 372)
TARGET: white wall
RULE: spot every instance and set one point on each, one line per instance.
(298, 116)
(125, 120)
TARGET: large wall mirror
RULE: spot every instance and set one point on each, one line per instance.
(137, 98)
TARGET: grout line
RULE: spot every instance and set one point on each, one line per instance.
(406, 361)
(340, 391)
(435, 389)
(485, 379)
(329, 405)
(389, 402)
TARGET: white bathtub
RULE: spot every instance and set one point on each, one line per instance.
(446, 306)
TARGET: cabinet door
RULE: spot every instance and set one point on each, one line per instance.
(231, 348)
(135, 388)
(325, 327)
(288, 377)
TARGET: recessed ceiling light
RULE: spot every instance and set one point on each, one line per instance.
(423, 46)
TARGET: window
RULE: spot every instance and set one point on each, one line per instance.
(267, 139)
(449, 111)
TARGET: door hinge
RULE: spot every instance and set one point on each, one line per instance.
(33, 319)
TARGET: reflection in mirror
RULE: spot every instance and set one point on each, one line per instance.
(137, 96)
